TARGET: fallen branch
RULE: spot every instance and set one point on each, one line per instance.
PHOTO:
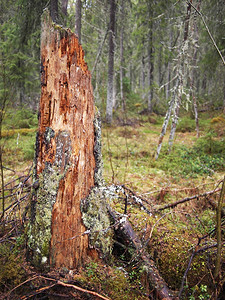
(41, 290)
(219, 231)
(196, 251)
(21, 284)
(172, 205)
(56, 282)
(81, 290)
(156, 282)
(188, 268)
(138, 200)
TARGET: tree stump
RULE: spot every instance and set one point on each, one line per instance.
(65, 164)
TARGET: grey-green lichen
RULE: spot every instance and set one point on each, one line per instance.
(96, 217)
(94, 207)
(98, 150)
(44, 197)
(96, 220)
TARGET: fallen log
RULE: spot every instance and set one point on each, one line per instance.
(156, 283)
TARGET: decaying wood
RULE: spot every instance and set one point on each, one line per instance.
(174, 204)
(157, 283)
(65, 161)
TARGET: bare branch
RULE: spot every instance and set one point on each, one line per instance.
(172, 205)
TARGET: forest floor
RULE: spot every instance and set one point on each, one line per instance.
(192, 172)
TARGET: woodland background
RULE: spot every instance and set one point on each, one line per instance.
(148, 60)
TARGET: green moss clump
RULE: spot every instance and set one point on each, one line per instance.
(11, 272)
(115, 282)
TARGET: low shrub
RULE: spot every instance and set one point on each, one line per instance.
(186, 125)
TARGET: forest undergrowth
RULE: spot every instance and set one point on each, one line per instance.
(175, 219)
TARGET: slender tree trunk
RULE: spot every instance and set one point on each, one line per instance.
(150, 65)
(218, 232)
(64, 7)
(174, 106)
(169, 71)
(180, 77)
(224, 97)
(160, 75)
(54, 10)
(143, 76)
(195, 38)
(78, 19)
(122, 55)
(109, 104)
(168, 80)
(2, 112)
(164, 127)
(99, 51)
(65, 163)
(176, 110)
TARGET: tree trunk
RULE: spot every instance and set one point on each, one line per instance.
(64, 7)
(150, 57)
(178, 90)
(78, 19)
(195, 38)
(164, 127)
(54, 10)
(142, 85)
(65, 164)
(122, 55)
(109, 104)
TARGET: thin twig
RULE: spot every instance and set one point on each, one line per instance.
(218, 232)
(82, 290)
(150, 234)
(21, 284)
(188, 268)
(38, 291)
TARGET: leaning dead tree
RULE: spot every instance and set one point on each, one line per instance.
(179, 87)
(70, 214)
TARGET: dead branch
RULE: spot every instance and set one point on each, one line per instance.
(156, 282)
(138, 200)
(174, 204)
(81, 290)
(41, 290)
(218, 231)
(195, 251)
(55, 282)
(15, 203)
(21, 284)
